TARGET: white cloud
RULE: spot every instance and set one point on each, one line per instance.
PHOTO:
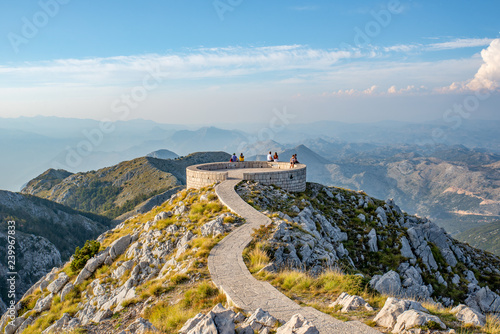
(201, 63)
(487, 76)
(460, 43)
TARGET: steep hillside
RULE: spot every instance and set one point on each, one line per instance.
(45, 233)
(453, 186)
(399, 254)
(115, 190)
(150, 269)
(486, 237)
(150, 272)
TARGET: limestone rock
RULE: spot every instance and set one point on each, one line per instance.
(389, 283)
(205, 325)
(67, 289)
(43, 304)
(351, 303)
(57, 284)
(14, 325)
(381, 215)
(469, 316)
(372, 241)
(261, 318)
(163, 215)
(82, 276)
(412, 318)
(119, 246)
(484, 300)
(406, 248)
(57, 326)
(223, 319)
(393, 307)
(297, 324)
(213, 227)
(141, 326)
(24, 325)
(191, 323)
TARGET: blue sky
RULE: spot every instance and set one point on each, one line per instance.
(235, 60)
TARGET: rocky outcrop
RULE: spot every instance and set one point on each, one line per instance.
(350, 303)
(214, 227)
(224, 321)
(404, 256)
(35, 257)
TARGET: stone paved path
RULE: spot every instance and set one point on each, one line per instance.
(231, 275)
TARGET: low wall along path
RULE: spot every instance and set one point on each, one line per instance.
(225, 261)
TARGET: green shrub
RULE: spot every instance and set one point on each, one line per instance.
(84, 254)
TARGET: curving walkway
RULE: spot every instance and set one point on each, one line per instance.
(231, 275)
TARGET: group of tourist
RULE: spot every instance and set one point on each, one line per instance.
(270, 158)
(234, 158)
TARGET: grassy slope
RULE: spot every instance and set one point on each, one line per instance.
(167, 302)
(485, 237)
(115, 190)
(66, 235)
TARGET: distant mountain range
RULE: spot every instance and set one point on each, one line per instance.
(33, 145)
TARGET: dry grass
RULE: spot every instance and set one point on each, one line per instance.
(492, 325)
(257, 258)
(170, 318)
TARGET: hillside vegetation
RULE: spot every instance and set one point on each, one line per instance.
(486, 237)
(115, 190)
(151, 268)
(46, 233)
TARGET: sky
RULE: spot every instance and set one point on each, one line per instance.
(234, 61)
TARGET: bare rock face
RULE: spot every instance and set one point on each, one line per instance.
(35, 257)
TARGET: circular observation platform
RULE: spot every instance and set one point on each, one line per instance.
(276, 173)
